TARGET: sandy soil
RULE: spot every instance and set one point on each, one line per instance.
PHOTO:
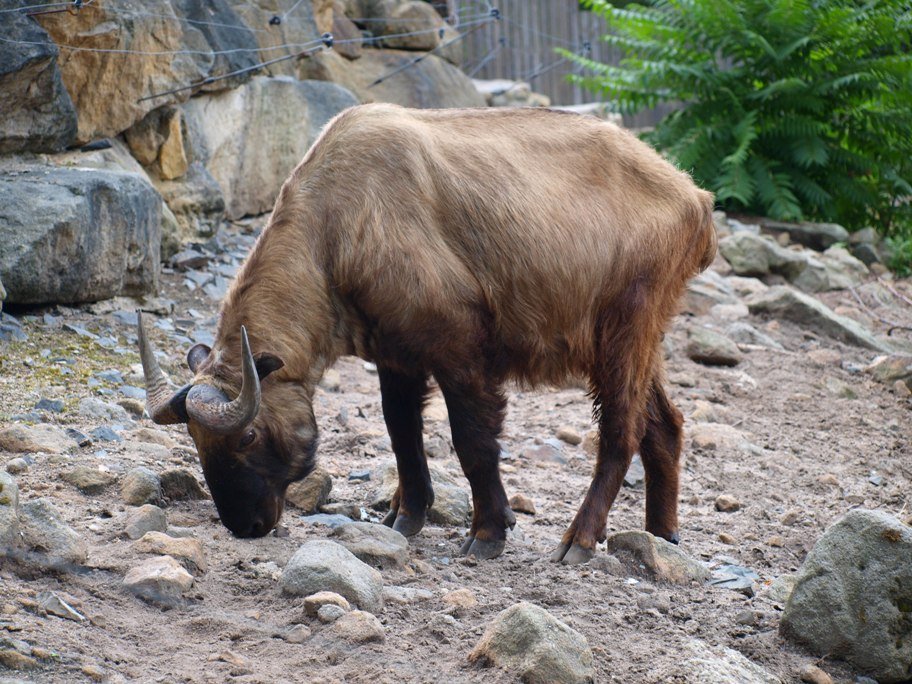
(816, 437)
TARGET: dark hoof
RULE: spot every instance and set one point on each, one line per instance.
(389, 518)
(481, 549)
(572, 555)
(675, 538)
(407, 525)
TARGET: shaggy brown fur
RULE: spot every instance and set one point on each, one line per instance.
(477, 246)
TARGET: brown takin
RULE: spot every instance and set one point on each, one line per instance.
(477, 246)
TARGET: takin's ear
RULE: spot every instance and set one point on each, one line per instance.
(197, 354)
(267, 363)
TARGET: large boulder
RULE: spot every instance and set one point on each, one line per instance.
(36, 112)
(196, 204)
(853, 596)
(74, 235)
(251, 138)
(432, 83)
(819, 236)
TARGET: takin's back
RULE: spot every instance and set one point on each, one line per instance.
(531, 220)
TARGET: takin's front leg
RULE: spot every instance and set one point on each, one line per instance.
(476, 415)
(402, 398)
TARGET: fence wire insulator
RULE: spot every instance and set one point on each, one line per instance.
(275, 20)
(495, 13)
(327, 39)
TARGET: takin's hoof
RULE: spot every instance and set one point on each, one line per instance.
(405, 524)
(390, 518)
(675, 538)
(482, 549)
(572, 554)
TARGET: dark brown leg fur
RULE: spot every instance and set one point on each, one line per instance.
(661, 452)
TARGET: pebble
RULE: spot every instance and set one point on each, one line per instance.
(158, 579)
(52, 604)
(329, 613)
(298, 634)
(88, 480)
(50, 405)
(16, 661)
(735, 578)
(726, 503)
(376, 545)
(102, 412)
(180, 485)
(814, 675)
(711, 348)
(153, 436)
(314, 602)
(184, 549)
(828, 479)
(569, 435)
(358, 627)
(726, 538)
(323, 565)
(541, 454)
(141, 486)
(105, 434)
(146, 518)
(311, 492)
(406, 595)
(636, 473)
(522, 504)
(460, 601)
(790, 517)
(332, 520)
(15, 466)
(359, 476)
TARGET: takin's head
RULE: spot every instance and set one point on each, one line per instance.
(250, 447)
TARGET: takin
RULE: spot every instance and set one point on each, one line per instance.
(477, 246)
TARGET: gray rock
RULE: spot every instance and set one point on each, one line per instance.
(50, 405)
(9, 516)
(636, 473)
(16, 466)
(52, 604)
(889, 369)
(314, 602)
(69, 235)
(196, 206)
(100, 411)
(332, 520)
(161, 579)
(843, 270)
(735, 578)
(357, 627)
(754, 255)
(818, 236)
(781, 588)
(311, 492)
(536, 646)
(657, 558)
(105, 434)
(36, 112)
(146, 518)
(329, 613)
(88, 480)
(711, 348)
(376, 545)
(706, 290)
(853, 595)
(745, 333)
(452, 501)
(141, 486)
(44, 530)
(24, 439)
(323, 565)
(713, 664)
(180, 485)
(789, 304)
(406, 595)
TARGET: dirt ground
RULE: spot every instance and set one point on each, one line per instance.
(820, 437)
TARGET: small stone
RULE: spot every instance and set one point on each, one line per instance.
(352, 511)
(569, 435)
(105, 434)
(24, 439)
(298, 634)
(709, 663)
(642, 552)
(14, 660)
(102, 412)
(376, 545)
(329, 613)
(789, 518)
(535, 646)
(52, 604)
(50, 405)
(152, 436)
(311, 492)
(16, 466)
(522, 504)
(828, 479)
(735, 578)
(776, 541)
(901, 389)
(239, 664)
(358, 627)
(322, 565)
(93, 672)
(711, 348)
(406, 595)
(314, 602)
(180, 485)
(636, 473)
(88, 480)
(359, 476)
(146, 518)
(726, 503)
(80, 438)
(44, 530)
(141, 486)
(781, 588)
(814, 675)
(726, 538)
(160, 579)
(188, 551)
(541, 454)
(460, 601)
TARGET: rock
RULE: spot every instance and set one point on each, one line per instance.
(68, 235)
(814, 675)
(14, 660)
(712, 436)
(706, 290)
(297, 634)
(52, 604)
(180, 485)
(311, 492)
(662, 560)
(196, 206)
(141, 486)
(891, 369)
(184, 549)
(25, 439)
(460, 601)
(376, 545)
(852, 597)
(735, 578)
(431, 83)
(358, 627)
(452, 505)
(569, 435)
(160, 579)
(522, 504)
(754, 255)
(88, 480)
(329, 613)
(327, 566)
(843, 270)
(788, 304)
(726, 503)
(152, 436)
(330, 520)
(541, 454)
(15, 466)
(9, 516)
(146, 518)
(44, 530)
(36, 112)
(710, 348)
(101, 411)
(636, 473)
(817, 236)
(534, 645)
(415, 26)
(406, 595)
(710, 664)
(157, 141)
(745, 333)
(260, 130)
(314, 602)
(50, 405)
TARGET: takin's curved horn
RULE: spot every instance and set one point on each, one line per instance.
(210, 407)
(164, 404)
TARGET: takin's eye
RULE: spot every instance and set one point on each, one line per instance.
(248, 439)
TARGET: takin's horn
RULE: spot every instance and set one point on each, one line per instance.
(164, 405)
(211, 408)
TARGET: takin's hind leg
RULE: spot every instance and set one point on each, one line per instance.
(402, 398)
(661, 452)
(476, 415)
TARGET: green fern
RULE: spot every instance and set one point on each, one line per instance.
(790, 108)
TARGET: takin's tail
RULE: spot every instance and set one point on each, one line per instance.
(705, 237)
